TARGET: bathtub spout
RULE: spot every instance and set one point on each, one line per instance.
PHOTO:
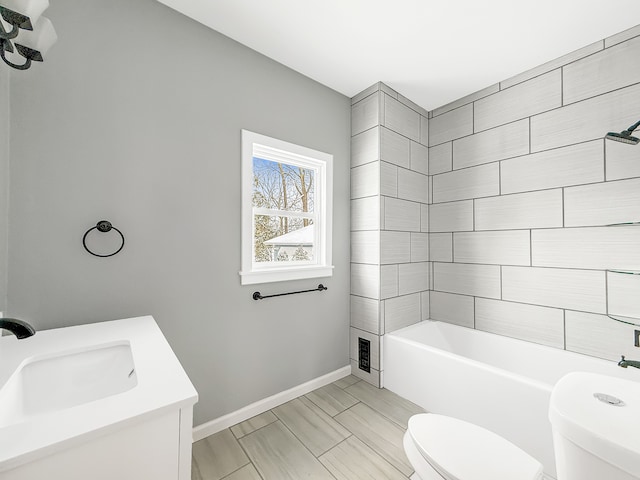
(628, 363)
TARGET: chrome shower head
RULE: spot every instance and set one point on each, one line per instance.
(625, 135)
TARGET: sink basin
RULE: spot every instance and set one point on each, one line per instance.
(53, 382)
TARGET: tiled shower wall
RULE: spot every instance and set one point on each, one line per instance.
(389, 219)
(524, 188)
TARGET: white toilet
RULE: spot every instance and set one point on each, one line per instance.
(596, 434)
(440, 447)
(596, 427)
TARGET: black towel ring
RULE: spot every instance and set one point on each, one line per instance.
(102, 226)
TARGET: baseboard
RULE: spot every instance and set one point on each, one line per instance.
(218, 424)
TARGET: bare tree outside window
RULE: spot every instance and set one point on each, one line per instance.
(283, 201)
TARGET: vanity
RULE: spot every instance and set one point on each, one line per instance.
(104, 401)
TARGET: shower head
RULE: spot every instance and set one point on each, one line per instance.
(625, 135)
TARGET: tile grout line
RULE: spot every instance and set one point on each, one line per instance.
(240, 468)
(351, 434)
(304, 445)
(247, 453)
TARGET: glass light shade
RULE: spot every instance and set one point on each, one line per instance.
(40, 39)
(29, 8)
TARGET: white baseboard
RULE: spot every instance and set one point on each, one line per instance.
(218, 424)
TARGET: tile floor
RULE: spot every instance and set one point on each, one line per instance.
(347, 430)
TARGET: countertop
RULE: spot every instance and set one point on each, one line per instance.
(162, 386)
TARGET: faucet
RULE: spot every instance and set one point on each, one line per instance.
(628, 363)
(19, 328)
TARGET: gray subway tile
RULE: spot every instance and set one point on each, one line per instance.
(622, 161)
(554, 287)
(586, 120)
(473, 182)
(441, 158)
(541, 209)
(365, 280)
(400, 312)
(413, 277)
(413, 186)
(598, 248)
(602, 203)
(506, 141)
(365, 213)
(623, 290)
(508, 247)
(365, 314)
(451, 216)
(441, 247)
(401, 119)
(610, 69)
(365, 180)
(452, 308)
(622, 36)
(419, 247)
(365, 147)
(532, 323)
(394, 148)
(560, 167)
(520, 101)
(467, 99)
(553, 64)
(419, 158)
(401, 215)
(365, 114)
(467, 279)
(395, 247)
(451, 125)
(599, 336)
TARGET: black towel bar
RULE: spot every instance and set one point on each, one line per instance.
(257, 296)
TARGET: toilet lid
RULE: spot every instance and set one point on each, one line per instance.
(458, 450)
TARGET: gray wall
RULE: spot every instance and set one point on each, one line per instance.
(523, 187)
(4, 182)
(135, 118)
(389, 219)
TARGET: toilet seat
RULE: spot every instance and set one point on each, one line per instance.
(458, 450)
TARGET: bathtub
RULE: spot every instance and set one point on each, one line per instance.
(497, 382)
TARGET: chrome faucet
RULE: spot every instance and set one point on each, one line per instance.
(19, 328)
(628, 363)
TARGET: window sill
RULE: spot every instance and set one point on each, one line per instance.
(300, 273)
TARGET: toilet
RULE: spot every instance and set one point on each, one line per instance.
(440, 447)
(594, 419)
(595, 422)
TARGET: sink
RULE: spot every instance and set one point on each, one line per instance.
(53, 382)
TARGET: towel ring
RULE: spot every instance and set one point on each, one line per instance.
(102, 226)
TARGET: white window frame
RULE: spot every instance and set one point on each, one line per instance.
(254, 144)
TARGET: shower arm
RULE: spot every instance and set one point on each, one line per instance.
(633, 127)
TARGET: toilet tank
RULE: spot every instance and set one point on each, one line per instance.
(595, 421)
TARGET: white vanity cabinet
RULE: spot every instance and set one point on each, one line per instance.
(142, 433)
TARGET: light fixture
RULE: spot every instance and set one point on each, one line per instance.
(625, 135)
(31, 33)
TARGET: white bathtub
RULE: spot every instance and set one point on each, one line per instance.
(500, 383)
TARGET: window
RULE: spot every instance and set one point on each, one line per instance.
(286, 211)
